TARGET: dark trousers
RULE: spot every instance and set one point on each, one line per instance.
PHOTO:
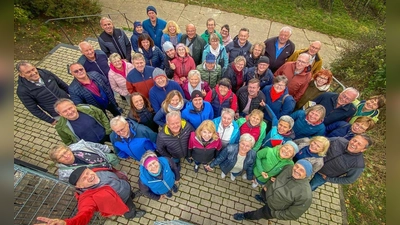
(261, 213)
(113, 109)
(132, 208)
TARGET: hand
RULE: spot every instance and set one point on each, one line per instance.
(177, 182)
(203, 92)
(273, 179)
(48, 221)
(208, 168)
(264, 174)
(162, 197)
(265, 188)
(54, 122)
(171, 65)
(262, 103)
(182, 79)
(323, 176)
(237, 116)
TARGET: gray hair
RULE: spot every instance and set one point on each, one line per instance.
(367, 138)
(194, 73)
(146, 155)
(56, 149)
(351, 89)
(83, 42)
(306, 54)
(228, 111)
(61, 100)
(287, 119)
(21, 63)
(105, 18)
(173, 114)
(286, 29)
(280, 78)
(247, 137)
(116, 120)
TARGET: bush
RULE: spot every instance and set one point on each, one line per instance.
(21, 16)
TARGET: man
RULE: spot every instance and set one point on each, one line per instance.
(338, 107)
(344, 162)
(93, 60)
(91, 88)
(82, 122)
(210, 30)
(38, 90)
(170, 52)
(250, 97)
(194, 42)
(140, 78)
(197, 110)
(210, 71)
(261, 72)
(298, 74)
(131, 139)
(240, 45)
(154, 26)
(313, 50)
(99, 189)
(285, 198)
(173, 139)
(162, 86)
(279, 48)
(113, 40)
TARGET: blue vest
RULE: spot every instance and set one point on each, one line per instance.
(217, 106)
(156, 185)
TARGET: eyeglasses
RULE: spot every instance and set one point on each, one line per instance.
(122, 129)
(322, 78)
(302, 62)
(78, 70)
(315, 48)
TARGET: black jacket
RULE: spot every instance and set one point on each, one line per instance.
(270, 52)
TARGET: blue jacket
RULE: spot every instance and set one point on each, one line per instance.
(135, 39)
(157, 60)
(228, 157)
(339, 129)
(157, 94)
(277, 107)
(155, 32)
(196, 118)
(303, 129)
(266, 78)
(235, 133)
(159, 118)
(162, 185)
(100, 64)
(222, 57)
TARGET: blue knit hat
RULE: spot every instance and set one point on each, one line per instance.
(307, 166)
(210, 58)
(151, 8)
(136, 24)
(294, 145)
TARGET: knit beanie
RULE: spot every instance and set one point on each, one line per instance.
(151, 8)
(195, 94)
(76, 174)
(294, 145)
(167, 46)
(158, 72)
(136, 24)
(179, 46)
(307, 166)
(210, 58)
(263, 59)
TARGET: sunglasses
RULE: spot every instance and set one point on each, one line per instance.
(78, 70)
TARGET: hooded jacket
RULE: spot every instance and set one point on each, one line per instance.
(197, 117)
(157, 60)
(199, 152)
(219, 102)
(182, 67)
(302, 128)
(155, 32)
(222, 57)
(135, 39)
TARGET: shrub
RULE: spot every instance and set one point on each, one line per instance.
(21, 16)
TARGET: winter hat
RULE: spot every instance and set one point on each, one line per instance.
(148, 160)
(210, 58)
(195, 94)
(147, 154)
(307, 166)
(263, 59)
(158, 72)
(76, 174)
(151, 8)
(136, 24)
(225, 82)
(180, 45)
(294, 145)
(167, 46)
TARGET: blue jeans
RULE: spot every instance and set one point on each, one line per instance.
(317, 181)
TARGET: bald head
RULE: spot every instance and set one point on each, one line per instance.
(190, 31)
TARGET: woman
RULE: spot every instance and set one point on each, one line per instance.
(236, 159)
(194, 82)
(320, 83)
(173, 102)
(344, 129)
(222, 97)
(369, 107)
(141, 111)
(204, 143)
(152, 54)
(217, 50)
(254, 125)
(172, 33)
(227, 127)
(226, 38)
(256, 51)
(159, 176)
(235, 73)
(183, 63)
(309, 122)
(119, 69)
(270, 161)
(137, 31)
(313, 150)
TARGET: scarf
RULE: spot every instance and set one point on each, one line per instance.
(191, 89)
(215, 51)
(177, 108)
(323, 87)
(120, 72)
(158, 173)
(275, 95)
(239, 76)
(148, 54)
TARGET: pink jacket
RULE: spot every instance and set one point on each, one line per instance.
(118, 82)
(183, 66)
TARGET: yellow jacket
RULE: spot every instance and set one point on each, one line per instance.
(315, 67)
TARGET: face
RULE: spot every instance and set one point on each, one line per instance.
(243, 36)
(88, 178)
(280, 86)
(153, 166)
(194, 81)
(224, 32)
(257, 51)
(146, 44)
(226, 119)
(88, 51)
(181, 52)
(244, 146)
(346, 97)
(152, 16)
(284, 37)
(174, 124)
(359, 128)
(65, 156)
(321, 80)
(210, 26)
(262, 67)
(286, 151)
(174, 101)
(371, 104)
(283, 127)
(122, 129)
(210, 66)
(139, 29)
(240, 65)
(357, 144)
(314, 48)
(223, 90)
(197, 102)
(214, 43)
(171, 53)
(139, 64)
(206, 134)
(29, 72)
(138, 102)
(190, 31)
(253, 89)
(172, 29)
(298, 172)
(316, 147)
(78, 71)
(107, 26)
(161, 81)
(302, 62)
(314, 116)
(67, 110)
(117, 63)
(255, 120)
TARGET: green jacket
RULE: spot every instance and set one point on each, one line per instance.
(287, 197)
(211, 76)
(374, 114)
(268, 160)
(64, 129)
(263, 127)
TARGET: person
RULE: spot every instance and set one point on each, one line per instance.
(99, 189)
(209, 31)
(82, 122)
(141, 111)
(226, 37)
(194, 43)
(170, 53)
(278, 49)
(254, 125)
(271, 161)
(92, 88)
(93, 60)
(237, 159)
(344, 162)
(240, 46)
(82, 153)
(197, 110)
(369, 107)
(338, 106)
(140, 78)
(162, 86)
(249, 98)
(309, 122)
(235, 73)
(159, 177)
(119, 69)
(227, 127)
(173, 139)
(256, 51)
(130, 139)
(298, 74)
(319, 84)
(38, 89)
(113, 40)
(261, 72)
(222, 97)
(287, 198)
(173, 102)
(204, 145)
(210, 71)
(137, 31)
(347, 130)
(313, 50)
(154, 25)
(194, 82)
(183, 64)
(218, 50)
(172, 33)
(153, 55)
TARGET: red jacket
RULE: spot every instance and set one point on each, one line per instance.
(233, 105)
(182, 67)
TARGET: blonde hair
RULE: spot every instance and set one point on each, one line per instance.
(257, 112)
(325, 144)
(207, 125)
(173, 23)
(240, 58)
(365, 120)
(170, 95)
(114, 56)
(319, 108)
(57, 149)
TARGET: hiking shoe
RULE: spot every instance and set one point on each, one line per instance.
(223, 175)
(254, 185)
(175, 188)
(196, 168)
(140, 213)
(259, 198)
(238, 216)
(233, 177)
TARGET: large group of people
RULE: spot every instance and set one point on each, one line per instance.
(262, 112)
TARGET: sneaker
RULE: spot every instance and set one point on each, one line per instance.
(259, 198)
(223, 175)
(140, 213)
(244, 176)
(254, 185)
(196, 168)
(175, 188)
(168, 194)
(238, 216)
(233, 177)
